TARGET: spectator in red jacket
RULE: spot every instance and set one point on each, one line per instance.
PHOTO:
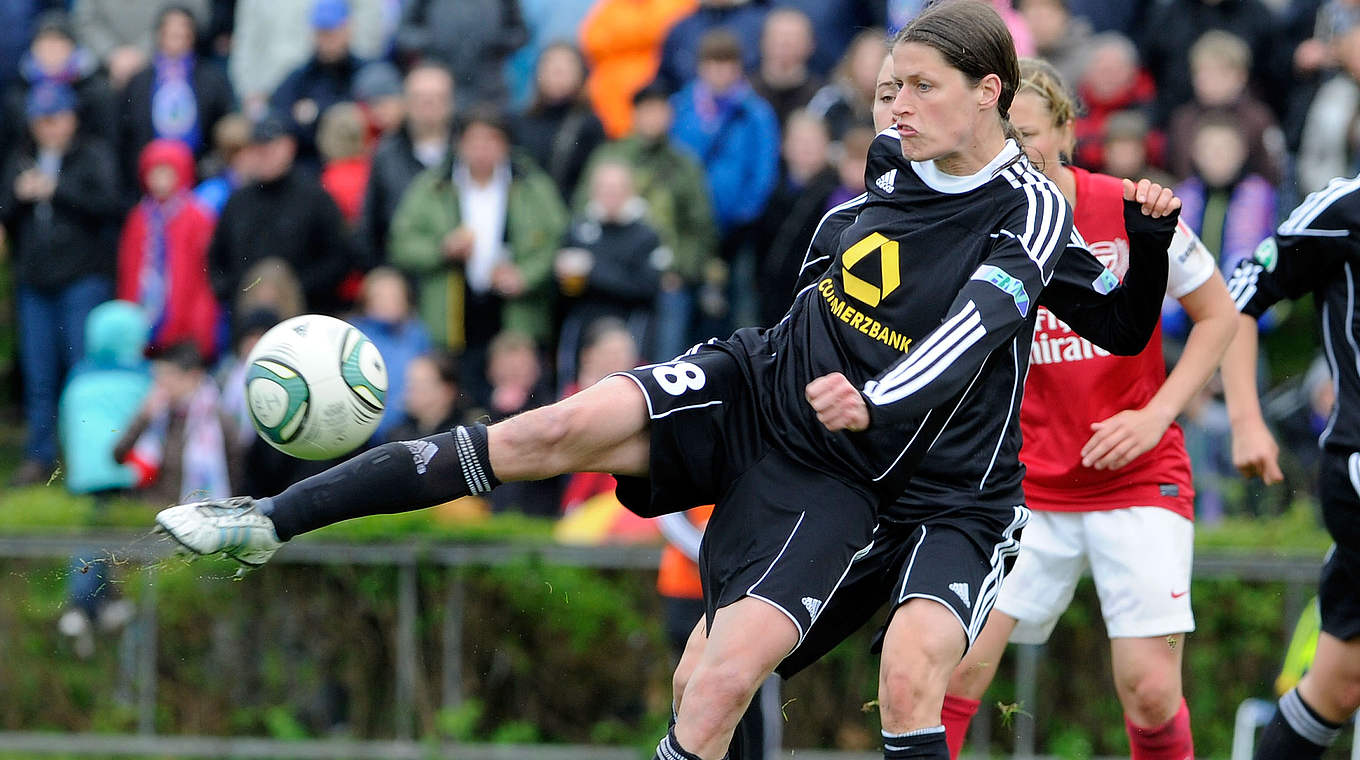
(1114, 81)
(346, 161)
(163, 251)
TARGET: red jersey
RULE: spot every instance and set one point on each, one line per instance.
(1073, 383)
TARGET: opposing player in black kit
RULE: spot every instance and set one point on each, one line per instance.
(1316, 250)
(799, 432)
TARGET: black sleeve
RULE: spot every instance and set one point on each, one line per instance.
(992, 305)
(1305, 252)
(1120, 320)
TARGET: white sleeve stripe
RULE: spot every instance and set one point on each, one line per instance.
(1315, 233)
(927, 359)
(1316, 203)
(922, 351)
(1053, 221)
(857, 200)
(900, 392)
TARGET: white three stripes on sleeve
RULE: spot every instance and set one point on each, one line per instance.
(1242, 285)
(933, 357)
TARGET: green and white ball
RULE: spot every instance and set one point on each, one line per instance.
(315, 387)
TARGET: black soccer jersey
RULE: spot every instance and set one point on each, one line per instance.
(975, 456)
(1317, 250)
(934, 274)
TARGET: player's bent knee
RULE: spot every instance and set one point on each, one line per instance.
(1151, 698)
(727, 686)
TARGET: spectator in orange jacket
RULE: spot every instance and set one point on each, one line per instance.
(622, 41)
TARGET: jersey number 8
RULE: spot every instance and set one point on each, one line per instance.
(678, 377)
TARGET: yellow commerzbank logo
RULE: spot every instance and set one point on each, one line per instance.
(890, 277)
(889, 268)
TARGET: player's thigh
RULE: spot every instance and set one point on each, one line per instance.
(1140, 560)
(1040, 585)
(978, 668)
(787, 535)
(690, 657)
(750, 637)
(865, 589)
(959, 561)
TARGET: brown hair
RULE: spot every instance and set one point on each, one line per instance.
(720, 45)
(340, 133)
(971, 37)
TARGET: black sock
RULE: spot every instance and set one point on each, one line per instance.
(923, 744)
(1296, 731)
(670, 749)
(394, 477)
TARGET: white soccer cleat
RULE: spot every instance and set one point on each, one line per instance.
(234, 527)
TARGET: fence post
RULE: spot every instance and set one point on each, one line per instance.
(406, 649)
(1026, 694)
(454, 601)
(146, 660)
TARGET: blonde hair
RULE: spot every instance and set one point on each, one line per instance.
(341, 132)
(1223, 47)
(1039, 77)
(271, 284)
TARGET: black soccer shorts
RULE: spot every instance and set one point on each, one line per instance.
(957, 558)
(1339, 584)
(781, 531)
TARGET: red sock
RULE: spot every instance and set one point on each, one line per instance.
(957, 714)
(1169, 741)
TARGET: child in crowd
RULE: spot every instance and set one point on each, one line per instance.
(177, 441)
(1124, 149)
(102, 395)
(610, 264)
(433, 402)
(227, 167)
(163, 251)
(1220, 66)
(346, 162)
(518, 383)
(388, 318)
(1114, 81)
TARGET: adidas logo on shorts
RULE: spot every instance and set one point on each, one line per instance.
(813, 605)
(962, 590)
(887, 181)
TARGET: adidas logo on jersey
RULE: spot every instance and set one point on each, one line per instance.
(887, 181)
(813, 605)
(961, 589)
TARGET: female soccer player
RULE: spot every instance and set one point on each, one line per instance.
(1107, 475)
(1314, 251)
(799, 432)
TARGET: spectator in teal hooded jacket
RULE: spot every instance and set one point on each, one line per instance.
(101, 397)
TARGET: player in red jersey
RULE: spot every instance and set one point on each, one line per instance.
(1107, 474)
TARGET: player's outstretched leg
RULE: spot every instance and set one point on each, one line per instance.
(1309, 718)
(603, 428)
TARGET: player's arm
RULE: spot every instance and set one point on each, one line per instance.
(988, 310)
(1299, 258)
(1121, 318)
(1125, 436)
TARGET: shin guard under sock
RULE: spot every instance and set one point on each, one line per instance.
(1169, 741)
(1296, 732)
(957, 715)
(923, 744)
(394, 477)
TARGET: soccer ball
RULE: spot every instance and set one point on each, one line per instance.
(315, 387)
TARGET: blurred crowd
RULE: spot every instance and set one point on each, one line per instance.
(513, 198)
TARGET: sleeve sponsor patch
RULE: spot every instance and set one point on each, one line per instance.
(1267, 254)
(1106, 282)
(1011, 286)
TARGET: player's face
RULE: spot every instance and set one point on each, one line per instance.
(1043, 141)
(885, 92)
(938, 113)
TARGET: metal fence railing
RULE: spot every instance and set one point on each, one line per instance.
(1299, 573)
